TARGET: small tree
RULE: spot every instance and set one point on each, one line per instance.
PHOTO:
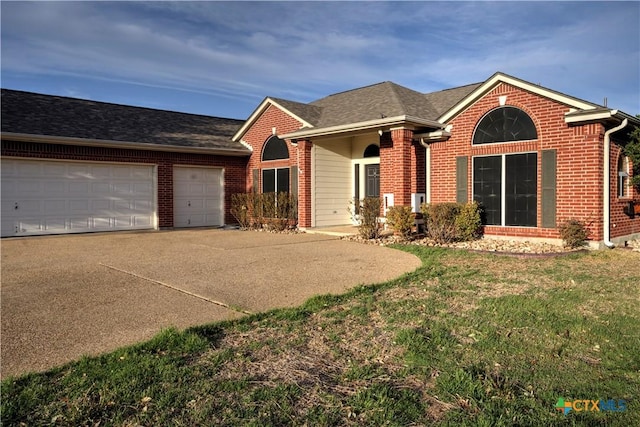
(401, 220)
(632, 150)
(468, 223)
(369, 214)
(574, 233)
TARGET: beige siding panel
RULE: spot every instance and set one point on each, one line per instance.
(361, 142)
(333, 181)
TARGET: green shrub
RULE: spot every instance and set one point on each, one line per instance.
(369, 215)
(440, 221)
(401, 220)
(451, 222)
(574, 233)
(468, 223)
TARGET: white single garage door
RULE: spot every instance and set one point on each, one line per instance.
(55, 197)
(198, 197)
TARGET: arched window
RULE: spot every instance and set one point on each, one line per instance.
(372, 151)
(275, 149)
(623, 176)
(505, 124)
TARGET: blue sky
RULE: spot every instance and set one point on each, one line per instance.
(223, 58)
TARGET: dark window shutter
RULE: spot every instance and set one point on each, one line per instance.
(549, 165)
(462, 192)
(294, 181)
(256, 180)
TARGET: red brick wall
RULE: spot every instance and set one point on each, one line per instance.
(304, 184)
(261, 131)
(234, 167)
(621, 223)
(579, 159)
(402, 166)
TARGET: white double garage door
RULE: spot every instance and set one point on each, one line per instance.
(58, 197)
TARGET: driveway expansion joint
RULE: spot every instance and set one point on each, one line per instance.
(157, 282)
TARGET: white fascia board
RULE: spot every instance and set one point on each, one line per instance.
(359, 126)
(252, 118)
(588, 116)
(436, 136)
(46, 139)
(600, 115)
(503, 78)
(258, 112)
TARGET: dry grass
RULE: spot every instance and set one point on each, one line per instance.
(470, 339)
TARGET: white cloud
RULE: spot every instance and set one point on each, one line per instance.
(305, 50)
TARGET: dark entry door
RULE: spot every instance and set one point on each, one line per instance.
(372, 180)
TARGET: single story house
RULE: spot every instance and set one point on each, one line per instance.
(531, 156)
(71, 165)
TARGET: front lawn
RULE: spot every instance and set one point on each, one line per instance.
(468, 339)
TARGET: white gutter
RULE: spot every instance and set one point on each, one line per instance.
(46, 139)
(606, 191)
(573, 117)
(426, 139)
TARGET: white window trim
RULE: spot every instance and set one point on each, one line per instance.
(623, 179)
(503, 186)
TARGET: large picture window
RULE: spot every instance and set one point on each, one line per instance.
(275, 180)
(506, 187)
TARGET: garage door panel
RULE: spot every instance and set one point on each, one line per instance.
(54, 223)
(198, 197)
(122, 205)
(142, 205)
(55, 187)
(83, 223)
(28, 187)
(78, 188)
(100, 205)
(28, 207)
(100, 187)
(55, 206)
(142, 221)
(55, 197)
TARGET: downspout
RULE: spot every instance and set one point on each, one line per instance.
(606, 191)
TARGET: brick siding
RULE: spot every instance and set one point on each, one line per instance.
(260, 132)
(579, 163)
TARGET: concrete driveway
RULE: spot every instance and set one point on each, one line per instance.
(66, 296)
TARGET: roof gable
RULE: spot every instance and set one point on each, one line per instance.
(483, 88)
(26, 113)
(294, 109)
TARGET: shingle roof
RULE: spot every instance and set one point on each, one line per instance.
(37, 114)
(386, 99)
(309, 113)
(445, 99)
(380, 100)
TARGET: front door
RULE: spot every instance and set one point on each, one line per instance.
(372, 180)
